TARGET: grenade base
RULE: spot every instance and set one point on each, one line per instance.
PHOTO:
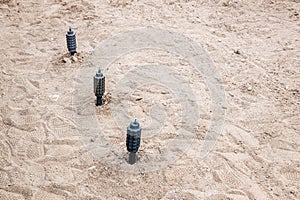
(132, 158)
(72, 52)
(99, 101)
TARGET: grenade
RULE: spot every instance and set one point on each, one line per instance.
(133, 140)
(99, 86)
(71, 41)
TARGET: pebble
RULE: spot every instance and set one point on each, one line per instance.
(143, 119)
(249, 88)
(74, 59)
(66, 60)
(237, 52)
(91, 168)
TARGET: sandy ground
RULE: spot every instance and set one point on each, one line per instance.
(255, 48)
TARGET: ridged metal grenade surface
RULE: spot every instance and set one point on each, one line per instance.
(71, 41)
(133, 138)
(99, 86)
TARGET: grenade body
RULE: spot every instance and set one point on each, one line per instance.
(133, 138)
(99, 86)
(71, 41)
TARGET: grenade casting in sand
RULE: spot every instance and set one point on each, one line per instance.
(99, 86)
(71, 41)
(133, 140)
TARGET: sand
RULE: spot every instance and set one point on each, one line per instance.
(46, 152)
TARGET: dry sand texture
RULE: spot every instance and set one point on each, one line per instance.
(254, 46)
